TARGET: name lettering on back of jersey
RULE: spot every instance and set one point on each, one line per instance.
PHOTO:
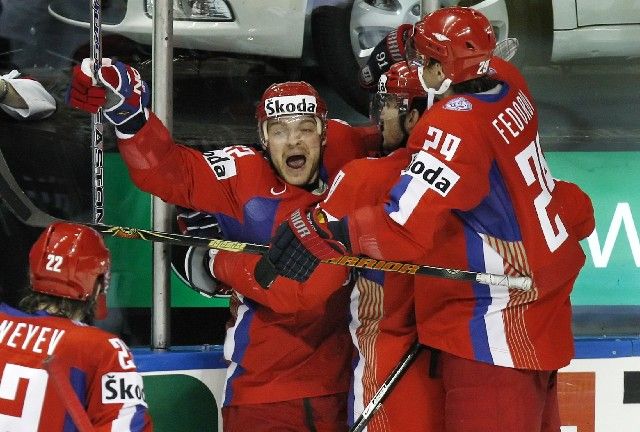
(513, 119)
(432, 173)
(29, 337)
(123, 388)
(286, 105)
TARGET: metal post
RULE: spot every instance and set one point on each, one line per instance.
(428, 6)
(162, 104)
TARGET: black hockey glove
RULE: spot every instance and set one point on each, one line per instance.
(300, 244)
(389, 50)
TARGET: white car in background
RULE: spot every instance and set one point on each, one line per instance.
(339, 34)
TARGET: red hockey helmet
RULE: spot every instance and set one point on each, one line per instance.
(460, 38)
(292, 98)
(400, 84)
(66, 261)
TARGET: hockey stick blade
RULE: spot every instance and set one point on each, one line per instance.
(16, 200)
(386, 387)
(67, 394)
(27, 212)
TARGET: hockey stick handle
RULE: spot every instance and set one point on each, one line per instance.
(67, 394)
(522, 283)
(97, 127)
(386, 387)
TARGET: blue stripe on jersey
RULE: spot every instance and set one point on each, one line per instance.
(138, 419)
(477, 327)
(492, 97)
(396, 193)
(495, 215)
(5, 308)
(228, 396)
(257, 221)
(376, 276)
(78, 380)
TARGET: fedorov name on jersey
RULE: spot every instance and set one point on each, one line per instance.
(123, 388)
(286, 105)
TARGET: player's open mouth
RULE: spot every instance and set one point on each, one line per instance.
(296, 161)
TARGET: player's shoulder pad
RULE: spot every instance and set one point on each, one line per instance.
(223, 162)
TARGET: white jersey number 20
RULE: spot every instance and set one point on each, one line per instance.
(31, 406)
(529, 158)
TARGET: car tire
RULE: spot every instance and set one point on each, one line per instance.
(531, 22)
(330, 27)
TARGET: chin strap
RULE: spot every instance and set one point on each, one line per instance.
(431, 92)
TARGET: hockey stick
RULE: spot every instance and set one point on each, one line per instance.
(386, 387)
(67, 394)
(97, 128)
(25, 210)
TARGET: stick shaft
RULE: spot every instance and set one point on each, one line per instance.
(25, 210)
(386, 387)
(59, 375)
(97, 127)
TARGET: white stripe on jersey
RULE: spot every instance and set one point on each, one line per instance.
(496, 332)
(358, 390)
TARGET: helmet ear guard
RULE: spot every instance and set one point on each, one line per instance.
(289, 99)
(67, 260)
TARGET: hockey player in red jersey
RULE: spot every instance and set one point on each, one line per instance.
(288, 371)
(478, 195)
(69, 275)
(383, 325)
(382, 322)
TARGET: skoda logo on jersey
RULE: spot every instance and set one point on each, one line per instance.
(458, 104)
(287, 105)
(431, 173)
(123, 387)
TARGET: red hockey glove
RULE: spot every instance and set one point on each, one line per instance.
(124, 95)
(389, 50)
(129, 93)
(84, 94)
(299, 244)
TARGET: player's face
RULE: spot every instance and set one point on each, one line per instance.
(390, 125)
(433, 76)
(295, 148)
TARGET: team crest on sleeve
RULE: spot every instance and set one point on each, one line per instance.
(221, 163)
(123, 388)
(459, 103)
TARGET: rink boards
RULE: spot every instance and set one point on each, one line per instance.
(599, 391)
